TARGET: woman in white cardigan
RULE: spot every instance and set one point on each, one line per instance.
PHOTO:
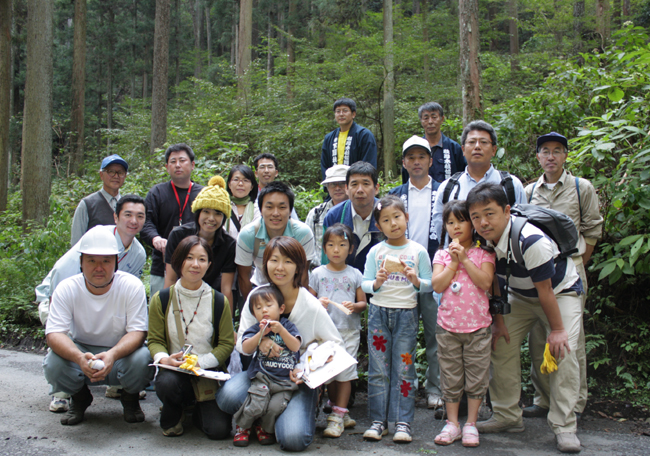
(285, 263)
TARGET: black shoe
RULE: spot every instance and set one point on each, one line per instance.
(535, 411)
(132, 411)
(78, 405)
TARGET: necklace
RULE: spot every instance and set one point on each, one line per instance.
(180, 305)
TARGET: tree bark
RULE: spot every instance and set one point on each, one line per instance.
(177, 38)
(578, 24)
(197, 18)
(208, 33)
(134, 17)
(244, 44)
(269, 50)
(602, 21)
(37, 121)
(5, 97)
(626, 8)
(514, 35)
(109, 73)
(291, 48)
(160, 76)
(470, 75)
(77, 135)
(389, 92)
(426, 62)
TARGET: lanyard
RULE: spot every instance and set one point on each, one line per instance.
(125, 253)
(187, 198)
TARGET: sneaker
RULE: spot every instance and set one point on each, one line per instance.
(470, 435)
(348, 422)
(174, 431)
(402, 432)
(434, 401)
(567, 442)
(58, 405)
(113, 392)
(265, 438)
(376, 431)
(492, 426)
(334, 426)
(534, 411)
(449, 434)
(241, 437)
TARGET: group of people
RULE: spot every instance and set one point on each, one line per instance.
(436, 249)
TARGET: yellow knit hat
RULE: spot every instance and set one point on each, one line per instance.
(214, 196)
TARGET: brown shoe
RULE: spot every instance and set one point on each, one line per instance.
(132, 411)
(78, 405)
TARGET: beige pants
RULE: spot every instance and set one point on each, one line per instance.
(536, 344)
(564, 384)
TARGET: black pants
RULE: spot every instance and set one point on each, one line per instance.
(175, 392)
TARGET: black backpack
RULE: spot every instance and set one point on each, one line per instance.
(506, 183)
(556, 225)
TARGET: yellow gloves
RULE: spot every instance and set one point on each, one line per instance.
(549, 365)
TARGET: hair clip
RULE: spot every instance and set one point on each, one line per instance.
(345, 236)
(379, 206)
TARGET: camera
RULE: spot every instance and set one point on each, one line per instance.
(499, 306)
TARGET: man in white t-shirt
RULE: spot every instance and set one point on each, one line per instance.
(96, 331)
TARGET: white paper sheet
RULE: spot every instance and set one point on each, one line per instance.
(214, 375)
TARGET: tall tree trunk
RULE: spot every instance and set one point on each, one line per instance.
(37, 121)
(77, 135)
(109, 73)
(160, 76)
(208, 33)
(291, 48)
(269, 49)
(470, 74)
(5, 97)
(416, 6)
(514, 34)
(244, 47)
(626, 8)
(426, 62)
(134, 17)
(578, 24)
(234, 35)
(389, 92)
(145, 84)
(177, 37)
(197, 18)
(602, 21)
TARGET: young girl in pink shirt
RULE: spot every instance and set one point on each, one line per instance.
(462, 273)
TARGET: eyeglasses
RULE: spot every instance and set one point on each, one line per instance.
(236, 180)
(113, 173)
(263, 167)
(342, 111)
(482, 142)
(555, 153)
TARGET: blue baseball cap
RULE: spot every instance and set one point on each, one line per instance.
(114, 159)
(552, 136)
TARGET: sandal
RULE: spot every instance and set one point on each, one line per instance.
(470, 435)
(264, 437)
(450, 433)
(241, 437)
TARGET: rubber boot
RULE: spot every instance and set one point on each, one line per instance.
(132, 411)
(78, 405)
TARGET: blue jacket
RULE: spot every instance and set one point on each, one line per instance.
(361, 143)
(342, 213)
(403, 192)
(437, 170)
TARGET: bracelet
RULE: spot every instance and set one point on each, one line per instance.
(451, 268)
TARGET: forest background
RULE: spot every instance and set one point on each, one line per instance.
(80, 80)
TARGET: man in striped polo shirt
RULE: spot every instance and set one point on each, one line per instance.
(540, 290)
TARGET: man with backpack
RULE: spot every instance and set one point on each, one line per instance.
(479, 143)
(541, 285)
(557, 189)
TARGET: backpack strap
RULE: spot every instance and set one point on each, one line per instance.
(453, 182)
(533, 192)
(508, 186)
(218, 303)
(235, 221)
(579, 202)
(515, 230)
(164, 299)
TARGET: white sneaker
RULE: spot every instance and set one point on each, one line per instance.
(402, 433)
(334, 426)
(376, 431)
(348, 422)
(434, 401)
(114, 392)
(58, 405)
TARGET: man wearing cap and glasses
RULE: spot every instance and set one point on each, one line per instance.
(335, 184)
(558, 189)
(98, 208)
(419, 195)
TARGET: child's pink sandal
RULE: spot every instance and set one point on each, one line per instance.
(450, 433)
(470, 435)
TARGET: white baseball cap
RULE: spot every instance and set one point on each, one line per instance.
(336, 173)
(416, 141)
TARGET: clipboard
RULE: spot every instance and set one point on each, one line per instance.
(213, 375)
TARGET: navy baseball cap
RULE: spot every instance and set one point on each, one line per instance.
(552, 136)
(114, 159)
